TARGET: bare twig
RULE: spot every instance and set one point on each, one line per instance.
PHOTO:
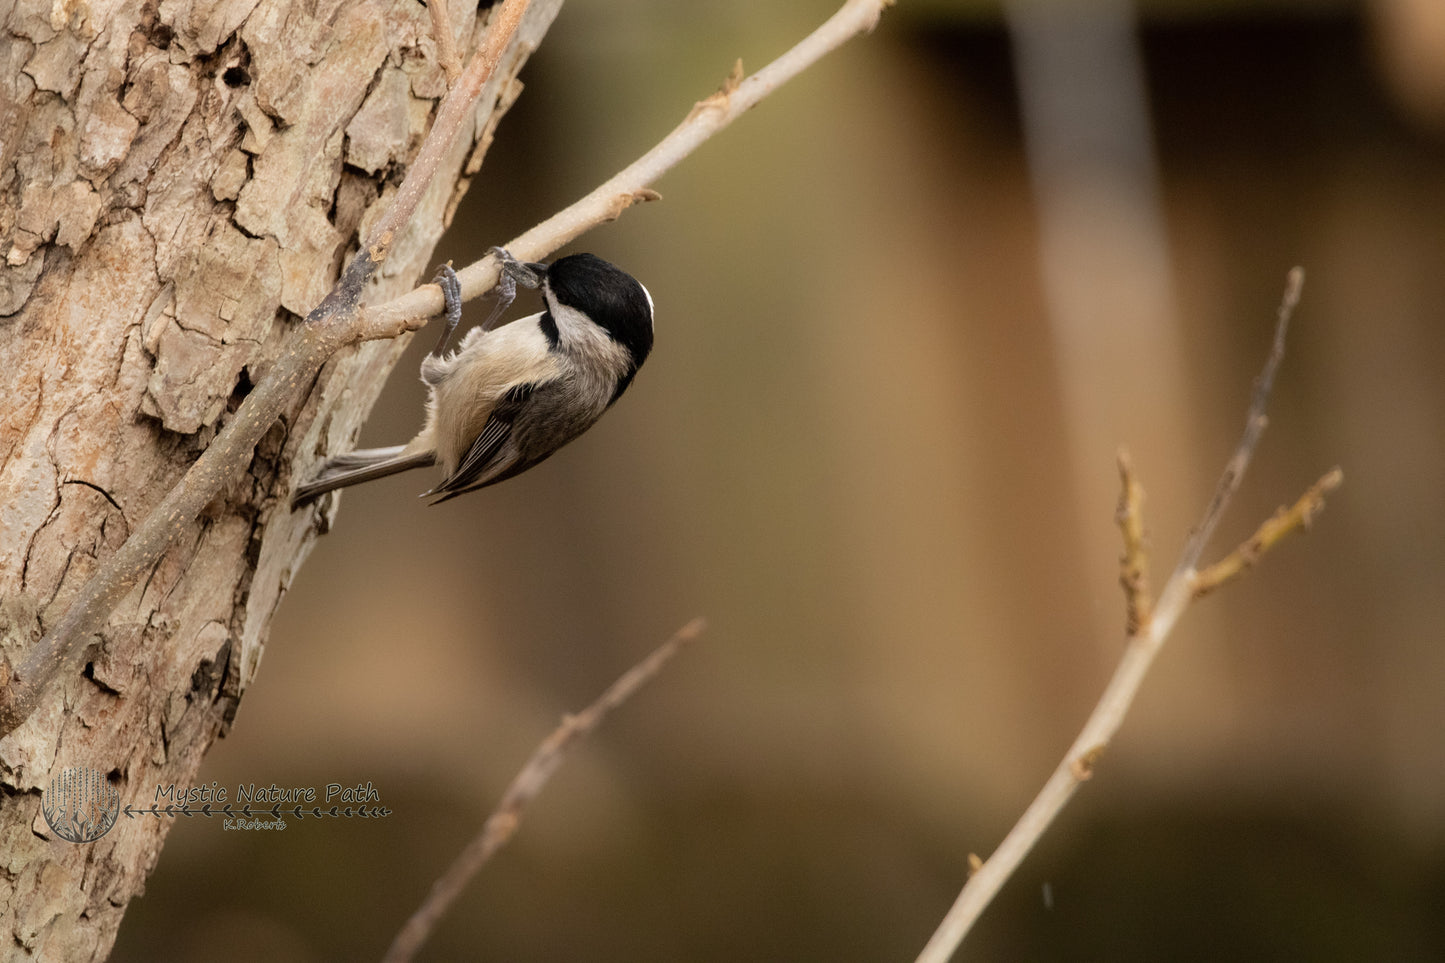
(1142, 646)
(452, 118)
(1134, 564)
(632, 184)
(337, 323)
(1295, 518)
(441, 28)
(1254, 424)
(504, 820)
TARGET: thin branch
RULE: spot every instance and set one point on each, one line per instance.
(451, 120)
(337, 323)
(1254, 424)
(1286, 521)
(528, 783)
(1141, 647)
(441, 27)
(632, 183)
(1134, 563)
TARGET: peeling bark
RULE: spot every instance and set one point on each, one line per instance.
(179, 183)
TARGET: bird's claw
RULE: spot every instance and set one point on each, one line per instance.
(512, 272)
(526, 273)
(451, 286)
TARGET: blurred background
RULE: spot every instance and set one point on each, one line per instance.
(907, 310)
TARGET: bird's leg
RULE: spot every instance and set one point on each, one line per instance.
(446, 279)
(505, 293)
(513, 272)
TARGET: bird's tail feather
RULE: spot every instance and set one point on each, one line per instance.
(355, 467)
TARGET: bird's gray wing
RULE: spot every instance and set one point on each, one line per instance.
(488, 458)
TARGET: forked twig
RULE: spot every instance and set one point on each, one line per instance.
(1149, 624)
(505, 819)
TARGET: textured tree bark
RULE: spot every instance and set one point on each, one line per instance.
(180, 182)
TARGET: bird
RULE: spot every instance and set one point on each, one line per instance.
(510, 396)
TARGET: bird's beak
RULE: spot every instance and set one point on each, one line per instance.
(539, 266)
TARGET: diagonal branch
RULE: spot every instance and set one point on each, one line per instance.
(338, 322)
(451, 121)
(1286, 521)
(528, 783)
(632, 184)
(1148, 631)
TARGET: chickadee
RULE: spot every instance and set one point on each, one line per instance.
(507, 398)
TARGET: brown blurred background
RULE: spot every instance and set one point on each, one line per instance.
(902, 326)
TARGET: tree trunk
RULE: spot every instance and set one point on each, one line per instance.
(179, 183)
